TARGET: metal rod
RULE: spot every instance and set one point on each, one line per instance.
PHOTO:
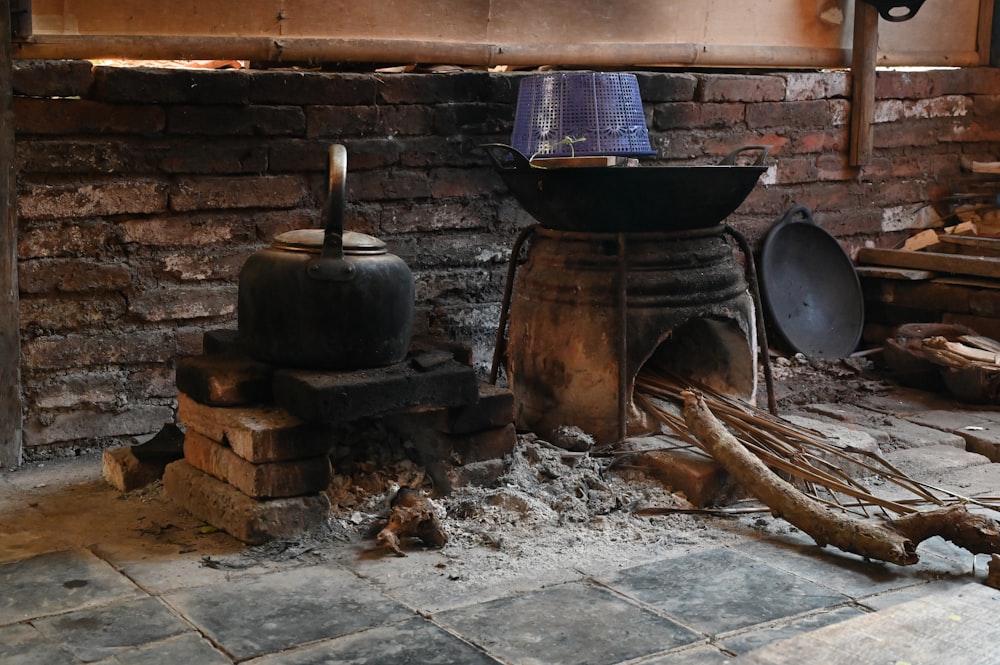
(500, 345)
(751, 273)
(622, 340)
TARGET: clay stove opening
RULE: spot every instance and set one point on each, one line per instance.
(715, 352)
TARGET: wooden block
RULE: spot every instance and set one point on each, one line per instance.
(246, 519)
(261, 434)
(225, 379)
(125, 472)
(922, 240)
(261, 481)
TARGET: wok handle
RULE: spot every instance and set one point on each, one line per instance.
(506, 158)
(798, 213)
(730, 159)
(887, 7)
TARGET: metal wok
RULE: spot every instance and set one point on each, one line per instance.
(610, 199)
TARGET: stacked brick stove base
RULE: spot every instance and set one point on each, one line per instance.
(258, 439)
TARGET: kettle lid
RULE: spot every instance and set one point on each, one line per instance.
(311, 241)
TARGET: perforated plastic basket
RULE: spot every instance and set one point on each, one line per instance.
(566, 114)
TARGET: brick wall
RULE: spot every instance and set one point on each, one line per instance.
(141, 193)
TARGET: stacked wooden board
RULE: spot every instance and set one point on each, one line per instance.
(948, 278)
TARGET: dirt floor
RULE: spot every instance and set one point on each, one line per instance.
(552, 510)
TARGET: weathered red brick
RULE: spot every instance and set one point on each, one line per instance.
(237, 192)
(81, 116)
(237, 120)
(205, 229)
(82, 156)
(71, 276)
(341, 121)
(56, 315)
(444, 88)
(446, 183)
(91, 199)
(693, 114)
(376, 186)
(178, 303)
(171, 86)
(246, 519)
(802, 115)
(257, 434)
(218, 156)
(94, 423)
(656, 87)
(739, 88)
(806, 86)
(104, 347)
(291, 87)
(52, 78)
(66, 240)
(261, 481)
(437, 216)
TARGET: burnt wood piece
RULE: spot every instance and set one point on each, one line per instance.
(339, 397)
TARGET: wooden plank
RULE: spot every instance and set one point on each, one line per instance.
(979, 266)
(863, 60)
(10, 333)
(969, 245)
(491, 32)
(882, 272)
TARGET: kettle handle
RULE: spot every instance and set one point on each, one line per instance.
(336, 201)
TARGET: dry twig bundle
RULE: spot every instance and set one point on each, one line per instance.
(763, 442)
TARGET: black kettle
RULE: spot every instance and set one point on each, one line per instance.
(325, 298)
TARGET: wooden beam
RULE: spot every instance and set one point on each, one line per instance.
(984, 36)
(863, 60)
(10, 333)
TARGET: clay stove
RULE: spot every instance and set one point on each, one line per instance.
(590, 310)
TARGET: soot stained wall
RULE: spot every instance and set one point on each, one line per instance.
(142, 191)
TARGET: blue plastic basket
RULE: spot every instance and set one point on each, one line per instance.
(567, 114)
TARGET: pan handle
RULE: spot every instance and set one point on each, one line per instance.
(887, 9)
(798, 213)
(730, 159)
(506, 158)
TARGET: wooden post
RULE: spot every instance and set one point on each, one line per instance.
(10, 335)
(863, 60)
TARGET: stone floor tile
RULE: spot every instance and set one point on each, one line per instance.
(568, 624)
(956, 628)
(254, 616)
(882, 601)
(187, 649)
(416, 641)
(720, 590)
(754, 639)
(926, 464)
(99, 633)
(846, 573)
(22, 644)
(58, 582)
(700, 655)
